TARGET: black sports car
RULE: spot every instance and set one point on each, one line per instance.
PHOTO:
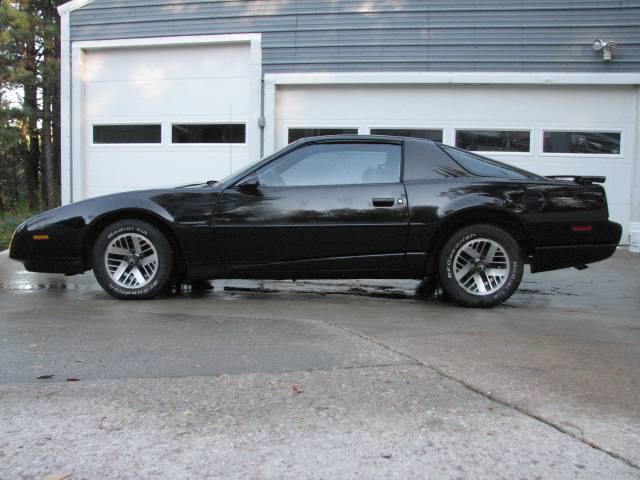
(348, 206)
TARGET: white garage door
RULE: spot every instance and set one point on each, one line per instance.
(550, 130)
(162, 116)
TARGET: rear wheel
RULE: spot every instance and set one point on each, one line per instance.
(480, 266)
(132, 259)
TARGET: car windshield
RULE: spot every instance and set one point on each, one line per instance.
(240, 172)
(248, 168)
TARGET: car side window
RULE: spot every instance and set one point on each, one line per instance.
(334, 164)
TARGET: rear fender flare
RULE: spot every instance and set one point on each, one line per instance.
(494, 215)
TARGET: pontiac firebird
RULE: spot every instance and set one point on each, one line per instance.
(347, 206)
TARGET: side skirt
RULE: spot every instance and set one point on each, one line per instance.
(371, 266)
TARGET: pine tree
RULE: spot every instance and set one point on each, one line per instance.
(29, 71)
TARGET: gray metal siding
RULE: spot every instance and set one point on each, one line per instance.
(399, 35)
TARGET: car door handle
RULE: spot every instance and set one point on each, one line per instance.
(384, 202)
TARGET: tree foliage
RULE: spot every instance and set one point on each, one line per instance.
(29, 103)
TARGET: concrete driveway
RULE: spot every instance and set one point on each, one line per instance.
(349, 379)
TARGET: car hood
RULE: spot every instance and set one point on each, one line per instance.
(168, 203)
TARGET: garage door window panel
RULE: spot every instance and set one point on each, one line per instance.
(127, 134)
(428, 134)
(298, 133)
(335, 164)
(208, 133)
(581, 142)
(494, 140)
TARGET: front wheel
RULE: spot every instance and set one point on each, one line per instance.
(480, 266)
(132, 259)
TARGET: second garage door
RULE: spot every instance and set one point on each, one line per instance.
(550, 130)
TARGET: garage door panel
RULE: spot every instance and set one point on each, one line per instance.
(111, 170)
(221, 97)
(470, 104)
(164, 85)
(228, 61)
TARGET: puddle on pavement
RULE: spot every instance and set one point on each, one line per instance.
(383, 291)
(29, 282)
(395, 289)
(33, 286)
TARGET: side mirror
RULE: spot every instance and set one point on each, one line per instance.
(248, 184)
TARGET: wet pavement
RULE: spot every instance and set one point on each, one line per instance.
(321, 378)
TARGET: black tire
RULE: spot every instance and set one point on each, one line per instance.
(475, 286)
(143, 238)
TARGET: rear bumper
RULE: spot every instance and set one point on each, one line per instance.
(563, 256)
(603, 243)
(554, 258)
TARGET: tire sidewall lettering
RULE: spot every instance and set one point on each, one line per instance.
(127, 229)
(141, 291)
(454, 249)
(510, 281)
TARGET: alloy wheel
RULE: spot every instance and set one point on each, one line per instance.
(131, 260)
(481, 266)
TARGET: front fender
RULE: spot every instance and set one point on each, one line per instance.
(58, 236)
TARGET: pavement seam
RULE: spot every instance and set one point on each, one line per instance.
(492, 398)
(411, 363)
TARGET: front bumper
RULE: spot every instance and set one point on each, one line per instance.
(40, 258)
(68, 266)
(17, 246)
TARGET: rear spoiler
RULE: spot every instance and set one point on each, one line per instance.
(581, 179)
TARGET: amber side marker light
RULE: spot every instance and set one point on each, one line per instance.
(41, 237)
(581, 228)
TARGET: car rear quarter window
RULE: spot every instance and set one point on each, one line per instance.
(486, 167)
(424, 160)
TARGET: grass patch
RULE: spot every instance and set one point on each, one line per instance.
(9, 221)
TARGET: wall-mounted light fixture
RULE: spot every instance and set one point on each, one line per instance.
(607, 49)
